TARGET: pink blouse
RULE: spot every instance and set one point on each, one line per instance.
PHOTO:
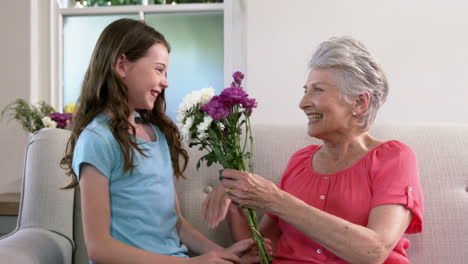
(388, 174)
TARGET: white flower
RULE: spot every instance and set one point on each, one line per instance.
(192, 99)
(180, 116)
(203, 127)
(196, 98)
(206, 95)
(48, 122)
(185, 129)
(189, 101)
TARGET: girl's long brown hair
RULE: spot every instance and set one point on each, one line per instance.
(102, 89)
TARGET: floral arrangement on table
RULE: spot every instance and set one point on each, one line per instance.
(35, 117)
(220, 125)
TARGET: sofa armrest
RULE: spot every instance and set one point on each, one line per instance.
(35, 246)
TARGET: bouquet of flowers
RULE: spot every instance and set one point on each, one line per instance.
(35, 117)
(221, 126)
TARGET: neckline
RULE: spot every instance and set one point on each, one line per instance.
(311, 168)
(105, 117)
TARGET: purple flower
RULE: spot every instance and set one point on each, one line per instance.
(222, 106)
(233, 96)
(249, 103)
(238, 77)
(62, 119)
(215, 108)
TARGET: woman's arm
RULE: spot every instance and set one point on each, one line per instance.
(95, 207)
(217, 207)
(351, 242)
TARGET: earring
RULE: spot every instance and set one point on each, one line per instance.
(354, 113)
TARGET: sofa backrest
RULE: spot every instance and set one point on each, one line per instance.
(442, 155)
(43, 202)
(441, 151)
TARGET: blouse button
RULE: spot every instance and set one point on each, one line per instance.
(319, 251)
(208, 189)
(322, 197)
(325, 178)
(410, 189)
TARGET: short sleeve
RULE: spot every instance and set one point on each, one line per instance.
(395, 180)
(95, 149)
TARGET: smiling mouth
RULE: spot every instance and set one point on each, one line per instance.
(314, 116)
(154, 94)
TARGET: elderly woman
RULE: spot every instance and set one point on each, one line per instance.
(348, 200)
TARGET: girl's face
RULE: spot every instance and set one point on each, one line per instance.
(324, 104)
(146, 77)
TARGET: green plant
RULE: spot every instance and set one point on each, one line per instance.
(35, 117)
(29, 116)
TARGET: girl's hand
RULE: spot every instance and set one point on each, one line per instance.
(226, 256)
(252, 256)
(250, 190)
(215, 206)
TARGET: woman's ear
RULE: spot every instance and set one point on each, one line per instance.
(121, 66)
(361, 103)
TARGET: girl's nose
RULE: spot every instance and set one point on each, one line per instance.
(164, 82)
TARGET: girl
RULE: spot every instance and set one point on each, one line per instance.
(123, 152)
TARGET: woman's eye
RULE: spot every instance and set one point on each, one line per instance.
(317, 90)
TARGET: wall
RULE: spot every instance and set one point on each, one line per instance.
(421, 44)
(15, 83)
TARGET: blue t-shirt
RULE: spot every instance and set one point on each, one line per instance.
(142, 204)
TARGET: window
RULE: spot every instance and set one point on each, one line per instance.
(198, 34)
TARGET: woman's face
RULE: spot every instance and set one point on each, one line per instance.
(146, 77)
(324, 104)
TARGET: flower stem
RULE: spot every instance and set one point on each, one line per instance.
(249, 133)
(251, 216)
(252, 221)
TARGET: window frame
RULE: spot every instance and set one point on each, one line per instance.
(234, 35)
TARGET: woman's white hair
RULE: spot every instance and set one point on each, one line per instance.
(360, 72)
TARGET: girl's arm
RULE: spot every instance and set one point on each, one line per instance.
(351, 242)
(102, 248)
(190, 236)
(200, 244)
(95, 207)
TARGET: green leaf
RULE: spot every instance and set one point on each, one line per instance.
(29, 116)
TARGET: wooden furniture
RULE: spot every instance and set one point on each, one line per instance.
(9, 203)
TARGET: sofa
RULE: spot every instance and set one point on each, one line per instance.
(49, 223)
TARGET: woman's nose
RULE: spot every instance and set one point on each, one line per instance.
(304, 102)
